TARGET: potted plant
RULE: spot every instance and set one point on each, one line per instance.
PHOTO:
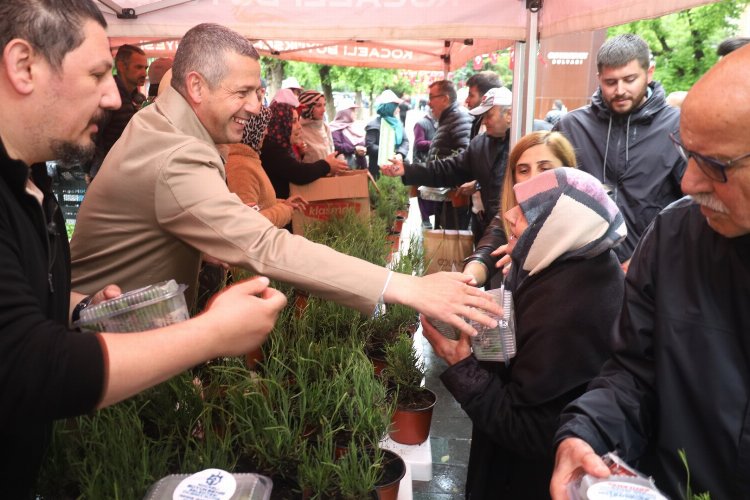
(414, 404)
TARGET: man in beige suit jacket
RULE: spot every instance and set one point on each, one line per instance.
(160, 201)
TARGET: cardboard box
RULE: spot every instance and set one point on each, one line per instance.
(330, 196)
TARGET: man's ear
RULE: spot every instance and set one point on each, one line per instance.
(650, 74)
(19, 62)
(195, 86)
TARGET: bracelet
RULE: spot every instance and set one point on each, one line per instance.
(83, 304)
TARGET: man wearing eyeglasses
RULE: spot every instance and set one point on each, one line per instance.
(622, 137)
(681, 380)
(451, 138)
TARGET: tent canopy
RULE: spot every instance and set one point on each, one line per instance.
(407, 34)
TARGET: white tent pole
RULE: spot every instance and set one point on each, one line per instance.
(532, 49)
(519, 89)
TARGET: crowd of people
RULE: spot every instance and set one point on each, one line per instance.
(629, 300)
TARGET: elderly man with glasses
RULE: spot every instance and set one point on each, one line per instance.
(681, 378)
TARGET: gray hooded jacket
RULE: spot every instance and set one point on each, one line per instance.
(632, 155)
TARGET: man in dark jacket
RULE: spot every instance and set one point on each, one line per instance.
(622, 137)
(55, 84)
(451, 138)
(479, 84)
(131, 65)
(484, 160)
(679, 380)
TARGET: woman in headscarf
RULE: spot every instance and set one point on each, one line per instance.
(314, 130)
(278, 158)
(385, 137)
(247, 179)
(349, 136)
(567, 288)
(534, 153)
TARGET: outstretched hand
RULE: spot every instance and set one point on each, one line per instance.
(337, 166)
(395, 169)
(574, 458)
(448, 297)
(503, 262)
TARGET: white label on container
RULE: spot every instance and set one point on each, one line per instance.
(623, 491)
(213, 484)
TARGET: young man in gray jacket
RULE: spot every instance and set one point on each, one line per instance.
(622, 137)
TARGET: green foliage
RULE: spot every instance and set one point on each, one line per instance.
(689, 495)
(390, 196)
(501, 68)
(350, 234)
(684, 44)
(404, 367)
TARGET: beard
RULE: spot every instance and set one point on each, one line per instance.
(69, 154)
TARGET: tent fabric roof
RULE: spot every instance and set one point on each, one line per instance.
(406, 34)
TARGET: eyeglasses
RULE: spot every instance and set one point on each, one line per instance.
(431, 96)
(713, 168)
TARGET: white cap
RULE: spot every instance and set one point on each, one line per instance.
(290, 83)
(286, 96)
(499, 96)
(346, 104)
(387, 96)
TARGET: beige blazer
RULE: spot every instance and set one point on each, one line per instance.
(161, 198)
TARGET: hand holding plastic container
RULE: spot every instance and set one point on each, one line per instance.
(146, 308)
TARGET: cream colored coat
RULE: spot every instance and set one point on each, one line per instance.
(160, 199)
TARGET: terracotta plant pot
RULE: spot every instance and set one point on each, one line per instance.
(394, 470)
(300, 302)
(411, 421)
(254, 357)
(398, 224)
(394, 240)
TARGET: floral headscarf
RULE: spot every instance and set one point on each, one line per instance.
(280, 125)
(307, 101)
(256, 128)
(570, 216)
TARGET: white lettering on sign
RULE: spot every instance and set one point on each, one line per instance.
(567, 58)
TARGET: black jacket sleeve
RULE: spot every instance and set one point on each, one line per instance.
(282, 168)
(451, 171)
(493, 237)
(561, 346)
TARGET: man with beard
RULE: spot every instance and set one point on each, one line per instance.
(55, 84)
(131, 65)
(622, 137)
(679, 380)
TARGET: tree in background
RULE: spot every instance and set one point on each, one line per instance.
(684, 44)
(501, 67)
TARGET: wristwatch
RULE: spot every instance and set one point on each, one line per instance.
(83, 304)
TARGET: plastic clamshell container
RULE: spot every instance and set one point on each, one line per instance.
(249, 487)
(434, 193)
(444, 328)
(146, 308)
(498, 343)
(621, 487)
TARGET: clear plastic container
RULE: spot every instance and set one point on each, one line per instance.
(499, 343)
(146, 308)
(445, 329)
(249, 487)
(624, 482)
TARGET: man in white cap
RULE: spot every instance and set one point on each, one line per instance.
(292, 84)
(484, 160)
